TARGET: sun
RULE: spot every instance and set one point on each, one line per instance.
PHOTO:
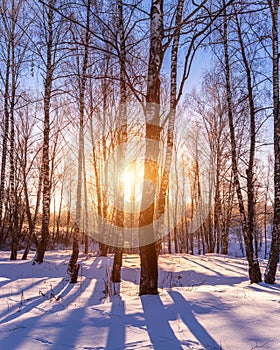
(131, 180)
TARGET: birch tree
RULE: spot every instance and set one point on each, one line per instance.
(254, 269)
(30, 166)
(14, 46)
(51, 30)
(196, 24)
(210, 107)
(148, 255)
(122, 137)
(73, 267)
(275, 243)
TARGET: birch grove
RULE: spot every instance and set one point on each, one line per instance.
(80, 82)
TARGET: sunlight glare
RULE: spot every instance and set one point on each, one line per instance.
(131, 179)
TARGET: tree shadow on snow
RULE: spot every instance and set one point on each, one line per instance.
(272, 289)
(186, 278)
(72, 324)
(60, 296)
(157, 319)
(192, 278)
(116, 335)
(185, 310)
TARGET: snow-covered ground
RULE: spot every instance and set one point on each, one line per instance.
(204, 302)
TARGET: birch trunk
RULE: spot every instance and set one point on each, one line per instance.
(275, 243)
(15, 229)
(31, 221)
(46, 194)
(117, 264)
(73, 267)
(172, 112)
(148, 255)
(5, 140)
(254, 271)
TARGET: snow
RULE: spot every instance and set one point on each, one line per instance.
(204, 302)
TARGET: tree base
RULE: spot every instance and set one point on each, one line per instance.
(255, 273)
(74, 275)
(149, 270)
